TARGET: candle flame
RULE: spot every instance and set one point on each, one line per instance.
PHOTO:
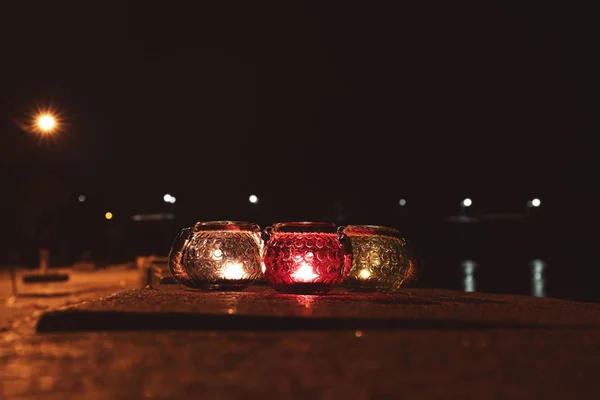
(233, 270)
(304, 273)
(364, 274)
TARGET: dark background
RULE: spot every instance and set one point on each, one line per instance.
(324, 111)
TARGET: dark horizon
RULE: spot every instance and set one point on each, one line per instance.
(317, 109)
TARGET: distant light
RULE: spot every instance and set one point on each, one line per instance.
(467, 202)
(152, 217)
(82, 198)
(46, 122)
(253, 199)
(108, 215)
(167, 198)
(536, 202)
(173, 200)
(402, 202)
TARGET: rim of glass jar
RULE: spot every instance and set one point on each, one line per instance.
(372, 230)
(226, 226)
(304, 227)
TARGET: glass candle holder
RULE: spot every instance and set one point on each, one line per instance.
(306, 257)
(217, 255)
(381, 259)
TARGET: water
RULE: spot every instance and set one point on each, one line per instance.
(517, 258)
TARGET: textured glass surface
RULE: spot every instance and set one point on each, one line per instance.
(217, 255)
(381, 259)
(298, 260)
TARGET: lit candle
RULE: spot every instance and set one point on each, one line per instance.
(217, 255)
(305, 257)
(381, 259)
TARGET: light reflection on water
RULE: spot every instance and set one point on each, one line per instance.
(537, 278)
(538, 281)
(468, 267)
(513, 257)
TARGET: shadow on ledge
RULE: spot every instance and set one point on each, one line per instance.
(104, 321)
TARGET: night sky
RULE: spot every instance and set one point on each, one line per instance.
(304, 104)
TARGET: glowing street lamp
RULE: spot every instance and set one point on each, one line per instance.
(46, 123)
(253, 199)
(467, 202)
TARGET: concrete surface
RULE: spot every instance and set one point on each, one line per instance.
(37, 297)
(170, 342)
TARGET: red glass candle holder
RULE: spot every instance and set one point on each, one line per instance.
(217, 255)
(306, 257)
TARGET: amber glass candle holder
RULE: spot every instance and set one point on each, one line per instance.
(381, 259)
(306, 257)
(217, 255)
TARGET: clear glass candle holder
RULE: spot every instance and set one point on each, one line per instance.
(217, 255)
(381, 259)
(306, 257)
